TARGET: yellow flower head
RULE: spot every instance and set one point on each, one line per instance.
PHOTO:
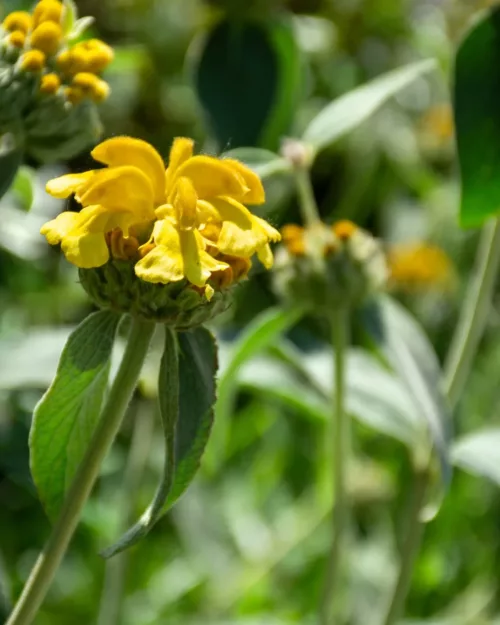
(47, 11)
(32, 61)
(47, 37)
(418, 267)
(50, 83)
(87, 56)
(18, 20)
(17, 39)
(191, 219)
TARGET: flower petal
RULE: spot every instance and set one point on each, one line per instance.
(241, 234)
(164, 263)
(271, 233)
(125, 188)
(185, 200)
(86, 251)
(64, 186)
(128, 151)
(198, 264)
(255, 193)
(265, 255)
(57, 228)
(211, 177)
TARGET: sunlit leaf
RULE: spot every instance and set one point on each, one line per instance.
(65, 418)
(352, 109)
(479, 453)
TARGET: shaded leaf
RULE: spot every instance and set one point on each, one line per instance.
(22, 187)
(11, 156)
(186, 389)
(247, 76)
(65, 418)
(350, 110)
(477, 119)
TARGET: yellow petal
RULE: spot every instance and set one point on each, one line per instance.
(271, 233)
(185, 200)
(255, 193)
(164, 263)
(209, 292)
(241, 234)
(128, 151)
(265, 255)
(198, 264)
(59, 227)
(211, 177)
(64, 186)
(180, 152)
(87, 251)
(125, 188)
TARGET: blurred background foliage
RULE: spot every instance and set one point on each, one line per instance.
(247, 543)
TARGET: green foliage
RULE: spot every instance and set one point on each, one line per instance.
(186, 391)
(350, 110)
(477, 119)
(479, 453)
(11, 155)
(65, 418)
(247, 76)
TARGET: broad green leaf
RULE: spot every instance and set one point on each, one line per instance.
(477, 119)
(22, 187)
(65, 418)
(11, 156)
(479, 453)
(350, 110)
(413, 359)
(257, 336)
(247, 75)
(186, 406)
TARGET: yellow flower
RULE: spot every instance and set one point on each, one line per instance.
(32, 61)
(194, 213)
(17, 39)
(18, 20)
(47, 11)
(87, 56)
(420, 266)
(47, 37)
(50, 83)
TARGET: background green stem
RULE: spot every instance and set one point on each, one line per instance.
(118, 399)
(110, 611)
(474, 312)
(307, 201)
(330, 603)
(464, 344)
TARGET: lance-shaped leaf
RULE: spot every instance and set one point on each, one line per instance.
(477, 119)
(186, 396)
(412, 356)
(352, 109)
(65, 418)
(479, 453)
(11, 156)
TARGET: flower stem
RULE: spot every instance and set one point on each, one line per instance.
(308, 206)
(329, 603)
(474, 313)
(411, 546)
(468, 333)
(111, 417)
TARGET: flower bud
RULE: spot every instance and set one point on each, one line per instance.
(325, 267)
(18, 20)
(47, 11)
(50, 83)
(46, 37)
(17, 39)
(32, 61)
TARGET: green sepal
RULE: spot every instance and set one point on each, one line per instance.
(186, 390)
(65, 418)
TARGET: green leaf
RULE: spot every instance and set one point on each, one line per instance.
(69, 16)
(350, 110)
(263, 162)
(265, 329)
(413, 359)
(247, 76)
(187, 397)
(65, 418)
(22, 187)
(11, 157)
(479, 453)
(477, 119)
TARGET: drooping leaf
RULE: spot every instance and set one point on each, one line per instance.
(350, 110)
(11, 156)
(247, 76)
(477, 119)
(479, 453)
(186, 396)
(412, 357)
(65, 418)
